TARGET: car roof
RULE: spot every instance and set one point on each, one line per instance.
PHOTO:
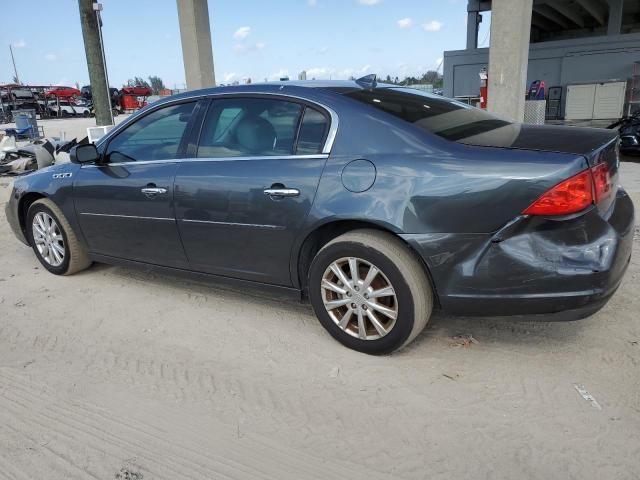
(297, 87)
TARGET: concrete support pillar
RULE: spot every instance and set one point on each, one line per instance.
(509, 57)
(614, 26)
(473, 19)
(197, 52)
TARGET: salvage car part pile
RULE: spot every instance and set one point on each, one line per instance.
(34, 155)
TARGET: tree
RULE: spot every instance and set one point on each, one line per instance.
(138, 81)
(156, 84)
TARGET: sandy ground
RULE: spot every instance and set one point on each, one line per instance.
(121, 373)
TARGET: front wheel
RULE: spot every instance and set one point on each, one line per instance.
(53, 240)
(370, 291)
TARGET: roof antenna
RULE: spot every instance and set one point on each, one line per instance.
(368, 81)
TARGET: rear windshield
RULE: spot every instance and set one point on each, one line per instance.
(443, 116)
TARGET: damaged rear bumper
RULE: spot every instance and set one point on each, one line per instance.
(533, 266)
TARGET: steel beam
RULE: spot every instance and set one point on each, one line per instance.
(566, 11)
(595, 9)
(551, 14)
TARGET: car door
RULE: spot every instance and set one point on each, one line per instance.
(125, 203)
(241, 200)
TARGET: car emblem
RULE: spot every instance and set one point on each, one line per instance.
(62, 175)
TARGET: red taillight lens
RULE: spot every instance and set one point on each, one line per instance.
(570, 196)
(602, 181)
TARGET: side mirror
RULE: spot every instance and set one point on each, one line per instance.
(84, 153)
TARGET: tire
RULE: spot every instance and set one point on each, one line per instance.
(75, 256)
(411, 299)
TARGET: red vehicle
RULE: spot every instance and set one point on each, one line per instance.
(63, 92)
(138, 91)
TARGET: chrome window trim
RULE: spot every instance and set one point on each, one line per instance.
(317, 156)
(127, 216)
(234, 224)
(328, 144)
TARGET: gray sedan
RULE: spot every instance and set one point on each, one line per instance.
(379, 203)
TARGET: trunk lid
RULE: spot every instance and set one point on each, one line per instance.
(598, 146)
(546, 138)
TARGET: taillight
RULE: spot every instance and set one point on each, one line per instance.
(602, 181)
(575, 193)
(570, 196)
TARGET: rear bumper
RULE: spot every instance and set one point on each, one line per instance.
(534, 266)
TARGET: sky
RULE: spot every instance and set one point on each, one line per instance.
(257, 39)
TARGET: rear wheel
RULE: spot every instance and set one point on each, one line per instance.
(370, 291)
(53, 240)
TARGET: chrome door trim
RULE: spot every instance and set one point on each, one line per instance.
(127, 216)
(234, 224)
(152, 191)
(328, 144)
(316, 156)
(282, 192)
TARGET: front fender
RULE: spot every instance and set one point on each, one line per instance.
(55, 183)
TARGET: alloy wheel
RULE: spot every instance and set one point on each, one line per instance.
(48, 239)
(359, 298)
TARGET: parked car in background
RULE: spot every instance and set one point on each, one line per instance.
(380, 203)
(68, 109)
(62, 92)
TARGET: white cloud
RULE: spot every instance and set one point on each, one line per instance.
(369, 2)
(242, 33)
(432, 26)
(19, 44)
(52, 57)
(323, 73)
(243, 48)
(318, 72)
(229, 77)
(312, 3)
(405, 22)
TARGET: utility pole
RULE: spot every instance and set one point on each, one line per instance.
(15, 70)
(95, 61)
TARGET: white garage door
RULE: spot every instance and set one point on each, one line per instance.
(609, 100)
(580, 100)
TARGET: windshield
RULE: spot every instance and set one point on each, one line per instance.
(443, 116)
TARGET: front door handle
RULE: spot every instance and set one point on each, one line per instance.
(281, 192)
(151, 192)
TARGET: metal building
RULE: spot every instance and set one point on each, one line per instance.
(570, 42)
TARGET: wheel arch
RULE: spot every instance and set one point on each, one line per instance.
(23, 207)
(323, 234)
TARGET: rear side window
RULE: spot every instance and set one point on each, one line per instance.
(445, 117)
(238, 127)
(312, 132)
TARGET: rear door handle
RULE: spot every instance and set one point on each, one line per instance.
(281, 192)
(153, 191)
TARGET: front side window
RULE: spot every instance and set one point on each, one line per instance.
(239, 127)
(155, 136)
(445, 117)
